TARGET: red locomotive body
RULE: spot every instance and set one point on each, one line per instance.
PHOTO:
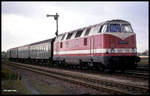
(111, 44)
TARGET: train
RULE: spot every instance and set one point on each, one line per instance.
(108, 45)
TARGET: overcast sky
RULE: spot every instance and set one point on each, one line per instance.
(26, 22)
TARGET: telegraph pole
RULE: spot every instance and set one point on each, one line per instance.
(56, 18)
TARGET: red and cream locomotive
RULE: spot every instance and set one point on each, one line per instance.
(110, 44)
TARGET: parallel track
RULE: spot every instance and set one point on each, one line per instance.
(138, 74)
(98, 84)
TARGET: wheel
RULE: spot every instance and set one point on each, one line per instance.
(99, 67)
(81, 64)
(112, 70)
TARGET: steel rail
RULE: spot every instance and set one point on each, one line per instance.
(105, 84)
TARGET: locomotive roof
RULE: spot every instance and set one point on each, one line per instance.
(83, 28)
(108, 21)
(117, 20)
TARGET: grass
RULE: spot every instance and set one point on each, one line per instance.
(14, 85)
(144, 61)
(44, 88)
(12, 81)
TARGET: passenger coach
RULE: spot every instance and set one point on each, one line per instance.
(38, 53)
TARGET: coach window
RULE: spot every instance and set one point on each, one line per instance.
(115, 28)
(39, 48)
(44, 48)
(87, 31)
(47, 48)
(78, 34)
(69, 35)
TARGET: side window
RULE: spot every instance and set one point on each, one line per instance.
(69, 35)
(100, 30)
(78, 34)
(63, 37)
(85, 41)
(67, 43)
(76, 42)
(43, 48)
(46, 48)
(38, 48)
(87, 31)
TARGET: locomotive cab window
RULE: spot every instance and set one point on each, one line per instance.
(115, 28)
(104, 28)
(126, 28)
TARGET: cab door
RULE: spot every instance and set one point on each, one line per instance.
(56, 49)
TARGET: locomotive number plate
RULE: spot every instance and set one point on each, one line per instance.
(122, 42)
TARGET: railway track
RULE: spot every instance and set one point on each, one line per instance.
(143, 68)
(129, 74)
(104, 85)
(138, 74)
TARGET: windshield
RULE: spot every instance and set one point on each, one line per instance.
(126, 28)
(115, 28)
(104, 28)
